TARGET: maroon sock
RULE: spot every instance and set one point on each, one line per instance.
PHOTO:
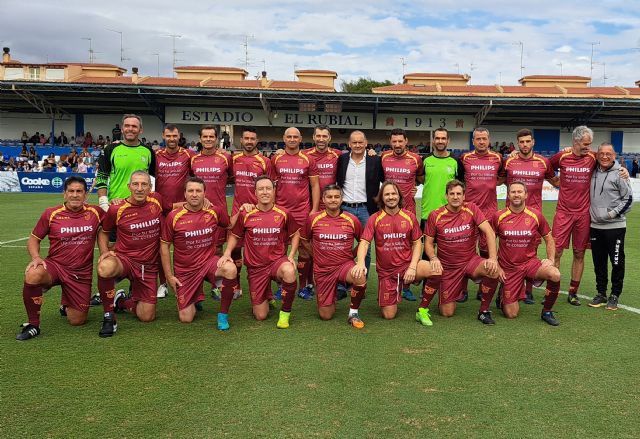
(304, 266)
(357, 294)
(128, 304)
(429, 289)
(528, 288)
(226, 296)
(107, 290)
(288, 294)
(488, 289)
(32, 298)
(573, 286)
(161, 276)
(236, 255)
(550, 295)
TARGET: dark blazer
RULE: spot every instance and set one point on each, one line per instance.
(374, 177)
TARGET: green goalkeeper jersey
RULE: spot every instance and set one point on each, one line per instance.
(438, 172)
(117, 162)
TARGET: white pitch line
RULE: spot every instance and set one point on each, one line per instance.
(13, 240)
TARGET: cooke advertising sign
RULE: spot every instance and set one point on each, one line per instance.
(283, 118)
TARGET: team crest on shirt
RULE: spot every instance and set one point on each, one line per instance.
(207, 217)
(527, 221)
(300, 161)
(403, 224)
(276, 217)
(87, 216)
(534, 164)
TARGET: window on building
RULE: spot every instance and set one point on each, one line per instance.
(34, 73)
(54, 74)
(13, 73)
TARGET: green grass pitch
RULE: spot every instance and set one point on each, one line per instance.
(519, 379)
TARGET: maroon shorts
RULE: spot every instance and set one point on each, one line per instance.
(568, 226)
(260, 278)
(390, 288)
(454, 279)
(143, 279)
(514, 288)
(75, 285)
(191, 290)
(327, 282)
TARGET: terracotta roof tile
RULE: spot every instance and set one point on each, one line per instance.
(437, 75)
(96, 80)
(169, 82)
(556, 77)
(226, 69)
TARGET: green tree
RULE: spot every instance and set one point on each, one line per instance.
(363, 85)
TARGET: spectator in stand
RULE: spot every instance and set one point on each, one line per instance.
(73, 158)
(80, 139)
(3, 161)
(20, 167)
(116, 133)
(61, 167)
(100, 142)
(82, 166)
(24, 154)
(35, 138)
(25, 138)
(226, 140)
(634, 168)
(62, 139)
(33, 155)
(511, 148)
(50, 160)
(88, 140)
(107, 140)
(43, 140)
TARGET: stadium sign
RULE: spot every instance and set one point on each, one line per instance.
(425, 122)
(282, 118)
(44, 182)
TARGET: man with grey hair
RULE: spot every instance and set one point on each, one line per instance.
(611, 198)
(571, 221)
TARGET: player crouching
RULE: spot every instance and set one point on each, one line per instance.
(331, 233)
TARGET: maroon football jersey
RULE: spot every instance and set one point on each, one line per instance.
(246, 168)
(193, 235)
(292, 172)
(215, 170)
(403, 170)
(575, 177)
(266, 234)
(519, 235)
(394, 236)
(532, 172)
(72, 235)
(455, 233)
(172, 171)
(480, 177)
(332, 239)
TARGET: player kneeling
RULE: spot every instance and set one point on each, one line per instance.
(519, 229)
(398, 249)
(267, 229)
(455, 227)
(72, 229)
(193, 231)
(331, 233)
(137, 222)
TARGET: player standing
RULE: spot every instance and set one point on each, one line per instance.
(298, 192)
(398, 249)
(454, 228)
(331, 233)
(267, 230)
(326, 158)
(72, 228)
(192, 230)
(520, 228)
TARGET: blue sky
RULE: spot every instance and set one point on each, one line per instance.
(372, 38)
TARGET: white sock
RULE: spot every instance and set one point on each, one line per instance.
(352, 312)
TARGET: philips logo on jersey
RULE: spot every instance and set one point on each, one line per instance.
(169, 164)
(325, 166)
(394, 235)
(579, 170)
(482, 168)
(336, 236)
(246, 174)
(525, 173)
(80, 229)
(208, 170)
(399, 170)
(518, 233)
(200, 232)
(144, 224)
(265, 230)
(291, 171)
(457, 229)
